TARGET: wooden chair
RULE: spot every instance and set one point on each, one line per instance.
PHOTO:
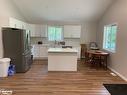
(104, 61)
(88, 58)
(96, 60)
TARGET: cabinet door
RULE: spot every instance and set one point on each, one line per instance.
(43, 51)
(27, 26)
(13, 23)
(36, 51)
(72, 31)
(18, 24)
(24, 25)
(37, 32)
(76, 31)
(32, 29)
(44, 31)
(67, 31)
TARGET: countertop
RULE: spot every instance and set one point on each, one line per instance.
(62, 50)
(40, 45)
(52, 45)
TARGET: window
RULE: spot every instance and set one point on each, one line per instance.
(55, 33)
(109, 40)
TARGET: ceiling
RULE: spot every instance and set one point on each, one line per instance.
(37, 11)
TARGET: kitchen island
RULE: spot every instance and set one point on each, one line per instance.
(62, 59)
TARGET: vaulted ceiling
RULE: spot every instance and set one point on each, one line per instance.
(37, 11)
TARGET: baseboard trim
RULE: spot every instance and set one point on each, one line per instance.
(124, 78)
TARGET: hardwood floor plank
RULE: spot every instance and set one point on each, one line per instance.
(38, 81)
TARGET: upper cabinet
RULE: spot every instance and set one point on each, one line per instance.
(14, 23)
(38, 30)
(32, 29)
(44, 31)
(35, 30)
(72, 31)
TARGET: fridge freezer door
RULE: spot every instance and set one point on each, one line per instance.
(26, 40)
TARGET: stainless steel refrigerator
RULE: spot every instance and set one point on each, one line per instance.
(16, 45)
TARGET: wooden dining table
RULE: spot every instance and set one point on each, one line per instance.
(98, 57)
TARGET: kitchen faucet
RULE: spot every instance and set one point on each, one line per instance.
(55, 43)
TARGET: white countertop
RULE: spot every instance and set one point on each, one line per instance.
(40, 45)
(62, 50)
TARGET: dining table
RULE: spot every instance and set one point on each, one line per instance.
(98, 57)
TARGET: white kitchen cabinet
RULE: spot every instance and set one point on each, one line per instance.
(20, 24)
(32, 29)
(15, 23)
(44, 31)
(43, 51)
(35, 51)
(72, 31)
(35, 30)
(24, 25)
(60, 59)
(40, 51)
(38, 30)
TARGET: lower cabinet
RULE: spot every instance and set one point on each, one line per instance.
(43, 51)
(35, 51)
(40, 52)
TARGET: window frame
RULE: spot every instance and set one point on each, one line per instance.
(56, 26)
(109, 49)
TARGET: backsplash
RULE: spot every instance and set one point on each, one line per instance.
(69, 41)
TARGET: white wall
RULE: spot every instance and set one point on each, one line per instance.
(117, 13)
(7, 9)
(88, 33)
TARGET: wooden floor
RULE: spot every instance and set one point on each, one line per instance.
(38, 81)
